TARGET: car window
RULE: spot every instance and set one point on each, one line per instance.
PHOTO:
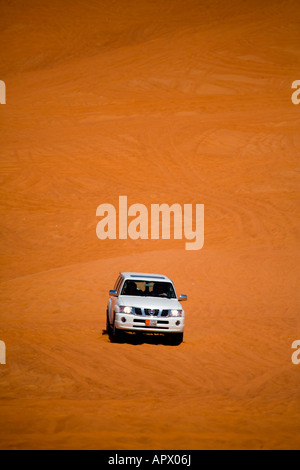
(119, 283)
(148, 289)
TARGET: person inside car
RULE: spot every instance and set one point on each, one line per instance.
(159, 290)
(131, 288)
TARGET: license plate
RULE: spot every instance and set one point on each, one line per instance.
(151, 322)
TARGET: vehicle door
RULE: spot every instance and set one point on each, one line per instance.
(113, 300)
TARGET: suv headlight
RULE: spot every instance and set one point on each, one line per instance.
(126, 309)
(175, 313)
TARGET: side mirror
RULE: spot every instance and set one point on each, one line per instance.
(113, 293)
(182, 298)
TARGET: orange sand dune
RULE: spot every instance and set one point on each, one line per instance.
(162, 101)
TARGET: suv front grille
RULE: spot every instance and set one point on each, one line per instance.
(164, 313)
(151, 312)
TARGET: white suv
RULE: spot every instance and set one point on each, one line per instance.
(145, 303)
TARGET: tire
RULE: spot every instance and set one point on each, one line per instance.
(108, 325)
(116, 334)
(175, 338)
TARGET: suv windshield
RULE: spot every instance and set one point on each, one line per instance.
(149, 289)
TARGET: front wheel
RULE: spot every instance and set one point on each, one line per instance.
(108, 325)
(175, 339)
(116, 335)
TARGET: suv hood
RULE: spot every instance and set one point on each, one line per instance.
(149, 302)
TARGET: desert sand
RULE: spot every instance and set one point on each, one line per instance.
(164, 101)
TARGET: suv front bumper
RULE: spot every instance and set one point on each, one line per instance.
(149, 324)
